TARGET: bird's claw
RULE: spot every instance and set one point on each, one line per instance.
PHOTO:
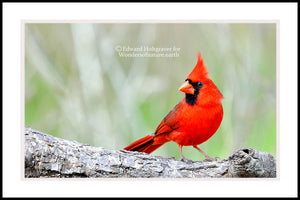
(211, 159)
(186, 160)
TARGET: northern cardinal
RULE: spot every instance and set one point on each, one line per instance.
(193, 120)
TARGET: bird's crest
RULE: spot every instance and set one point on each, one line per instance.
(200, 71)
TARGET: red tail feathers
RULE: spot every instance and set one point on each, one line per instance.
(144, 144)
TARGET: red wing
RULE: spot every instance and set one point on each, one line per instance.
(170, 122)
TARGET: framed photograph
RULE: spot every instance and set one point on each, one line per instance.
(142, 101)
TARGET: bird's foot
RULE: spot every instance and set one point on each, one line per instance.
(186, 160)
(209, 159)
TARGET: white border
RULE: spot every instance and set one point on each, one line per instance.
(15, 13)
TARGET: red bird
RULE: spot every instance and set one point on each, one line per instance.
(193, 120)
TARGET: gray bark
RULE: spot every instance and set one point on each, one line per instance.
(48, 156)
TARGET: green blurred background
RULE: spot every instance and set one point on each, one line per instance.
(78, 87)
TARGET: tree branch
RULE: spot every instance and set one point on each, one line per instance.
(48, 156)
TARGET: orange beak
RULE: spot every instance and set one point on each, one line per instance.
(187, 88)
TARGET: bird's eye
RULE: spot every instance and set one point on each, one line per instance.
(200, 84)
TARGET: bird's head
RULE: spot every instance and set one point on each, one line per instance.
(197, 81)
